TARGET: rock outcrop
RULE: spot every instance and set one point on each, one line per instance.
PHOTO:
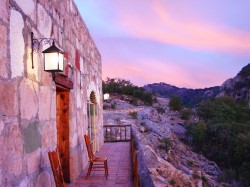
(238, 87)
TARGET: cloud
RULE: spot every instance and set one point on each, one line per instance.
(190, 33)
(147, 71)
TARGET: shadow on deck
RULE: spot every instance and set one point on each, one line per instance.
(119, 166)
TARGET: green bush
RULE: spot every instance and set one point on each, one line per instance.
(203, 178)
(166, 143)
(133, 101)
(113, 105)
(122, 86)
(185, 114)
(223, 135)
(172, 182)
(106, 107)
(175, 103)
(190, 163)
(118, 121)
(133, 115)
(160, 110)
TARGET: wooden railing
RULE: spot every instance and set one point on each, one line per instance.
(117, 133)
(121, 133)
(134, 164)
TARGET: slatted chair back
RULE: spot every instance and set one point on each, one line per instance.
(95, 163)
(89, 147)
(56, 169)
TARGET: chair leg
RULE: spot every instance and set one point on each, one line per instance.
(89, 169)
(106, 168)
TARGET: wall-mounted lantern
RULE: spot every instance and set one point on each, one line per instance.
(53, 56)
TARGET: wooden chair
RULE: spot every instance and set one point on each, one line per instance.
(95, 163)
(57, 169)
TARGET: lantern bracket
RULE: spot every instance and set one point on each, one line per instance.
(35, 44)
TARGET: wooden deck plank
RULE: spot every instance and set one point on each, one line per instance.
(119, 164)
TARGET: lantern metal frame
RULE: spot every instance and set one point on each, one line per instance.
(35, 45)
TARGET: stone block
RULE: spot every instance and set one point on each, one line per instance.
(46, 78)
(43, 180)
(4, 8)
(3, 52)
(28, 7)
(72, 122)
(1, 126)
(15, 141)
(53, 106)
(8, 99)
(25, 183)
(49, 135)
(31, 137)
(15, 166)
(33, 162)
(75, 165)
(44, 22)
(29, 99)
(45, 162)
(16, 43)
(33, 73)
(73, 140)
(44, 103)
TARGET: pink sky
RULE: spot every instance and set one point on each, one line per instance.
(186, 43)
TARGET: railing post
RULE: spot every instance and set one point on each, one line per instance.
(120, 133)
(125, 132)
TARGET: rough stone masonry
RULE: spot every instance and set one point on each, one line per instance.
(28, 108)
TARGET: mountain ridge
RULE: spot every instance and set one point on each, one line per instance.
(237, 87)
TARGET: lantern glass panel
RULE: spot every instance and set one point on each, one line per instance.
(53, 62)
(61, 66)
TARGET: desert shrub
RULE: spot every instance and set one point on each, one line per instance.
(133, 115)
(197, 131)
(190, 163)
(160, 110)
(106, 107)
(172, 182)
(147, 130)
(175, 103)
(166, 143)
(118, 121)
(133, 101)
(204, 178)
(113, 105)
(186, 113)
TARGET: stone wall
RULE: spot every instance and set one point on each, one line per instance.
(28, 96)
(145, 179)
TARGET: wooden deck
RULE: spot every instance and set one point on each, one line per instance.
(119, 166)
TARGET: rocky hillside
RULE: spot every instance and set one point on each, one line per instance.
(169, 160)
(189, 97)
(238, 87)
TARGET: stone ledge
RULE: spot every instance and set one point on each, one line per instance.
(145, 178)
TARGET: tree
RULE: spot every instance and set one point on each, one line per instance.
(175, 103)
